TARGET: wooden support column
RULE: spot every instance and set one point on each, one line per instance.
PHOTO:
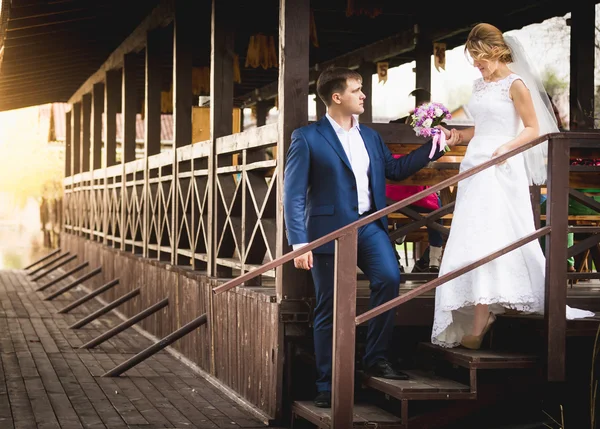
(152, 122)
(293, 113)
(423, 53)
(367, 70)
(96, 153)
(96, 124)
(262, 111)
(128, 115)
(583, 51)
(76, 164)
(68, 155)
(76, 135)
(221, 107)
(129, 108)
(183, 37)
(86, 119)
(557, 206)
(321, 107)
(112, 100)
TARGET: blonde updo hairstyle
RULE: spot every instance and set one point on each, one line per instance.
(485, 42)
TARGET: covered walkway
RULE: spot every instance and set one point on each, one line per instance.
(47, 382)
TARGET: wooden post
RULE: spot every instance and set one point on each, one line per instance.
(112, 99)
(423, 53)
(183, 37)
(152, 122)
(582, 89)
(76, 135)
(86, 116)
(294, 43)
(96, 124)
(344, 331)
(557, 207)
(221, 107)
(86, 119)
(96, 154)
(262, 111)
(76, 166)
(321, 107)
(293, 113)
(128, 115)
(367, 70)
(129, 107)
(68, 144)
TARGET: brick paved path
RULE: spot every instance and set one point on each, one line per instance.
(46, 382)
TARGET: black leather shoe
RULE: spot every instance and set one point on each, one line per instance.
(384, 369)
(323, 399)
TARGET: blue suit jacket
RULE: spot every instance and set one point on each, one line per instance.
(319, 193)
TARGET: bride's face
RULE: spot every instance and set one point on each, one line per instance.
(486, 67)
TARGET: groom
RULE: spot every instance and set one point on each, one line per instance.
(335, 173)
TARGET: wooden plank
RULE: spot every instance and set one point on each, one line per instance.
(482, 359)
(420, 385)
(363, 415)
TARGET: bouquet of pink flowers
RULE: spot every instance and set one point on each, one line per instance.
(424, 120)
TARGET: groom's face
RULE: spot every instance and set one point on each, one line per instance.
(352, 99)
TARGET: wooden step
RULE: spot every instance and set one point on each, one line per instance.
(587, 327)
(365, 415)
(482, 359)
(421, 385)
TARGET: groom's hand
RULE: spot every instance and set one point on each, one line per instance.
(304, 262)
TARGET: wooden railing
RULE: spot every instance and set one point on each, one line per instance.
(345, 319)
(160, 207)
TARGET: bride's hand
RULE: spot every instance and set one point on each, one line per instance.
(500, 151)
(444, 130)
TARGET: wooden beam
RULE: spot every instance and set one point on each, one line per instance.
(367, 70)
(183, 36)
(221, 106)
(86, 116)
(112, 99)
(294, 43)
(423, 53)
(582, 90)
(76, 134)
(129, 106)
(161, 16)
(152, 90)
(152, 123)
(96, 132)
(68, 144)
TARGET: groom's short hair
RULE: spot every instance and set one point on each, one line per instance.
(332, 80)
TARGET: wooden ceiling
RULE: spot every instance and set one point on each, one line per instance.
(50, 48)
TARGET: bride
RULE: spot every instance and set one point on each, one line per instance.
(493, 207)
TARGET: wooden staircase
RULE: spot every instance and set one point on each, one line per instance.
(447, 375)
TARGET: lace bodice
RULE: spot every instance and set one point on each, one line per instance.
(493, 109)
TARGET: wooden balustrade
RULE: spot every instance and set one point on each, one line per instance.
(130, 206)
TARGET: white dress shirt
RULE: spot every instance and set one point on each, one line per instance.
(357, 154)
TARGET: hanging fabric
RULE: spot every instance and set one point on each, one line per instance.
(237, 77)
(382, 71)
(261, 52)
(371, 8)
(313, 29)
(439, 56)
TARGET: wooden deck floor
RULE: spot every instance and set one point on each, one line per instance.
(46, 382)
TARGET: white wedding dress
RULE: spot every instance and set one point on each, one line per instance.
(493, 209)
